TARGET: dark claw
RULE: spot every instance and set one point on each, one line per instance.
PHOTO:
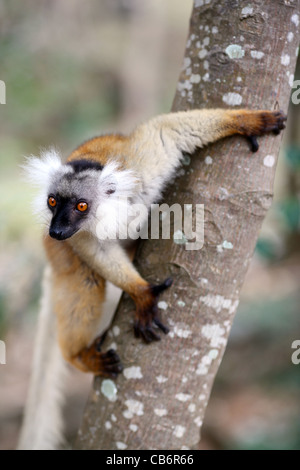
(154, 336)
(156, 290)
(160, 325)
(253, 143)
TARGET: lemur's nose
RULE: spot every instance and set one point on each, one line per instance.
(57, 234)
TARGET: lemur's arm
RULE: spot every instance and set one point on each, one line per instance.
(110, 261)
(163, 139)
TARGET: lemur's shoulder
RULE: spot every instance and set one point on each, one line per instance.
(100, 149)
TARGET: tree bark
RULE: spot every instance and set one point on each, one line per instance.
(238, 54)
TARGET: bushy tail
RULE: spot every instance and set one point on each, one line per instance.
(43, 423)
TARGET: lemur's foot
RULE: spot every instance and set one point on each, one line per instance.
(147, 314)
(263, 122)
(105, 364)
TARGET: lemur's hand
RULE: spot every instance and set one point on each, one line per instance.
(147, 314)
(258, 123)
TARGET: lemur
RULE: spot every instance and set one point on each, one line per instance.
(84, 195)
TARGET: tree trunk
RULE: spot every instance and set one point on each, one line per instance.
(242, 54)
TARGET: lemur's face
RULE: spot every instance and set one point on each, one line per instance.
(72, 197)
(79, 195)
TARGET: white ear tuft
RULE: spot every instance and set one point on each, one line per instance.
(38, 171)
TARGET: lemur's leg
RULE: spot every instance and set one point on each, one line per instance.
(78, 296)
(111, 261)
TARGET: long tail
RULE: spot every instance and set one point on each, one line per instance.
(43, 423)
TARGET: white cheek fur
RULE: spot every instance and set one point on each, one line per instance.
(40, 172)
(110, 212)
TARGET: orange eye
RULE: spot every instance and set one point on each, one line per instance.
(52, 201)
(82, 206)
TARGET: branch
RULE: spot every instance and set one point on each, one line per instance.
(163, 393)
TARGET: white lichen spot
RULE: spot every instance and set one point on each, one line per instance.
(160, 412)
(290, 36)
(295, 19)
(161, 379)
(206, 77)
(195, 78)
(213, 353)
(180, 303)
(202, 54)
(198, 44)
(206, 29)
(192, 407)
(109, 389)
(180, 332)
(121, 445)
(214, 30)
(183, 86)
(108, 425)
(246, 11)
(208, 160)
(269, 161)
(206, 65)
(112, 346)
(202, 369)
(234, 51)
(257, 54)
(223, 194)
(291, 80)
(227, 245)
(186, 62)
(239, 79)
(285, 59)
(198, 421)
(162, 305)
(202, 397)
(179, 431)
(206, 41)
(113, 418)
(133, 427)
(232, 99)
(179, 238)
(183, 397)
(133, 372)
(218, 303)
(215, 334)
(135, 407)
(116, 331)
(184, 379)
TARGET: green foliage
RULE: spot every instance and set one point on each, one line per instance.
(293, 157)
(290, 211)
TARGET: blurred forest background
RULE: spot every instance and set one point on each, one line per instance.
(77, 69)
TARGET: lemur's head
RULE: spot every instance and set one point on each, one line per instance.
(79, 195)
